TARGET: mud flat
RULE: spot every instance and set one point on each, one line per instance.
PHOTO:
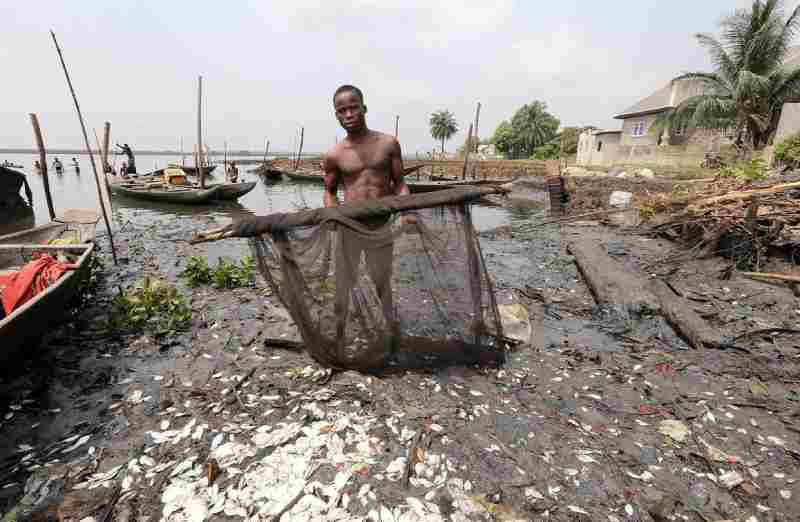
(603, 417)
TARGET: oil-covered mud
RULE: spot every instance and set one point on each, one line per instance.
(596, 419)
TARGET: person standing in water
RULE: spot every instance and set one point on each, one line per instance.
(369, 164)
(76, 166)
(58, 167)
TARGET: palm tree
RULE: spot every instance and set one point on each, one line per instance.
(443, 126)
(750, 82)
(533, 126)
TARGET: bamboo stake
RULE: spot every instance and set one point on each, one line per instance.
(266, 151)
(778, 277)
(88, 149)
(477, 117)
(104, 150)
(466, 152)
(225, 161)
(300, 149)
(43, 161)
(198, 160)
(396, 125)
(106, 193)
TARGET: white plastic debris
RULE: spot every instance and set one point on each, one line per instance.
(676, 430)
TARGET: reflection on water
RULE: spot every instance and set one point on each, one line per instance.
(71, 190)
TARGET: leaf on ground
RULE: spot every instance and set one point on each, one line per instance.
(676, 430)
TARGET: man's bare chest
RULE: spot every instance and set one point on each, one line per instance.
(358, 161)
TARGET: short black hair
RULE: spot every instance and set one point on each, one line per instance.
(351, 88)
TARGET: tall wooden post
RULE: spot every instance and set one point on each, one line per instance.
(225, 161)
(477, 117)
(199, 161)
(300, 149)
(396, 126)
(266, 151)
(88, 150)
(466, 152)
(104, 150)
(182, 156)
(43, 162)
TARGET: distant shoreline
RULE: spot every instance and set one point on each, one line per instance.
(82, 152)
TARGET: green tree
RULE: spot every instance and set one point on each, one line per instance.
(533, 126)
(503, 138)
(443, 126)
(749, 83)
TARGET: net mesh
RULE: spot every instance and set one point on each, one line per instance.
(369, 294)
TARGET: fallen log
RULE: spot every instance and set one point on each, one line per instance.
(629, 294)
(685, 321)
(611, 284)
(778, 277)
(743, 195)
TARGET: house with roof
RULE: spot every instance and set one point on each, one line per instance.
(634, 143)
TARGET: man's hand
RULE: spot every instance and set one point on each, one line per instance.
(408, 218)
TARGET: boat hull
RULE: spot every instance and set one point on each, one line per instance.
(233, 191)
(181, 196)
(25, 326)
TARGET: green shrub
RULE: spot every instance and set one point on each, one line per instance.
(152, 303)
(753, 170)
(227, 274)
(788, 151)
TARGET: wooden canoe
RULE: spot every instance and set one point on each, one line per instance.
(416, 187)
(192, 171)
(232, 191)
(24, 327)
(182, 195)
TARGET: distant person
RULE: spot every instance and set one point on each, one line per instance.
(57, 166)
(37, 167)
(123, 170)
(233, 172)
(126, 149)
(76, 166)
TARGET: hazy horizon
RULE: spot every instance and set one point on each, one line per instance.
(270, 68)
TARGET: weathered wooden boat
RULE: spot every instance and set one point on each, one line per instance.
(23, 328)
(305, 176)
(267, 172)
(10, 165)
(158, 193)
(208, 170)
(15, 213)
(232, 191)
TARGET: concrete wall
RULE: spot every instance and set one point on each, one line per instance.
(789, 122)
(654, 155)
(593, 148)
(491, 169)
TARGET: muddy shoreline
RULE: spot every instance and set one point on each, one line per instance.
(598, 419)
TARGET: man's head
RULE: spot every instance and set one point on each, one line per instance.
(348, 102)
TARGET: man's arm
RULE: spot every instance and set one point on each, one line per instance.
(331, 181)
(398, 182)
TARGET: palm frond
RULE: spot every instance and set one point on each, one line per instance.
(724, 65)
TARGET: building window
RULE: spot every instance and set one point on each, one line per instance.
(680, 130)
(638, 129)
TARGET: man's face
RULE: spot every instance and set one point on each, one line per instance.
(349, 111)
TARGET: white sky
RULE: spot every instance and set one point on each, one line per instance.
(271, 66)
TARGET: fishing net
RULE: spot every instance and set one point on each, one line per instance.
(371, 288)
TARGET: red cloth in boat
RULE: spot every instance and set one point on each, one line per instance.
(19, 287)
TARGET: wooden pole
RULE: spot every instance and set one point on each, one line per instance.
(88, 149)
(477, 117)
(396, 126)
(266, 151)
(107, 192)
(466, 152)
(225, 161)
(104, 150)
(300, 149)
(43, 161)
(198, 161)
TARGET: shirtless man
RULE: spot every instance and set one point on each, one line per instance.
(369, 164)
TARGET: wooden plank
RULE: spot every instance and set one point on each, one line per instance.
(687, 323)
(612, 285)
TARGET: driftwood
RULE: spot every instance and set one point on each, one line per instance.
(778, 277)
(744, 195)
(630, 294)
(612, 285)
(686, 322)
